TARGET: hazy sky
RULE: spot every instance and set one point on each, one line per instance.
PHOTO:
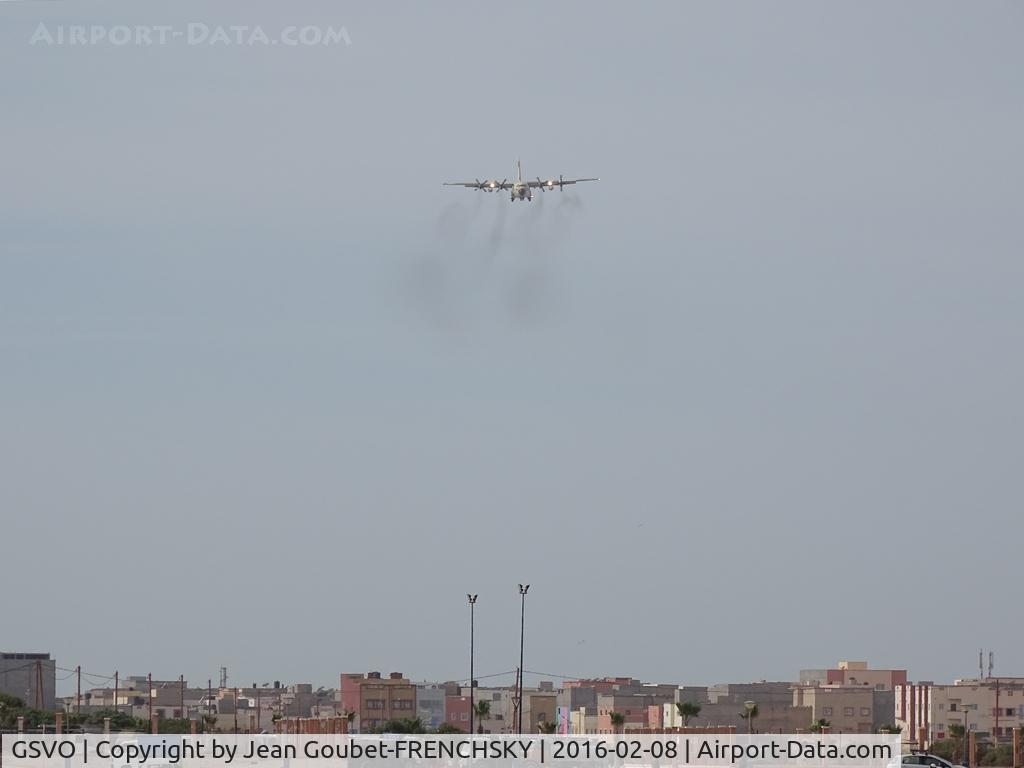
(273, 398)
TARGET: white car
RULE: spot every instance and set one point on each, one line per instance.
(925, 760)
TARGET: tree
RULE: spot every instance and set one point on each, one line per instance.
(175, 725)
(482, 709)
(618, 721)
(959, 737)
(891, 729)
(547, 727)
(7, 700)
(449, 728)
(401, 725)
(686, 710)
(750, 715)
(996, 755)
(819, 725)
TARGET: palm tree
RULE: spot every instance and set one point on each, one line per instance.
(891, 729)
(686, 710)
(350, 716)
(401, 725)
(483, 711)
(618, 721)
(749, 715)
(957, 735)
(547, 726)
(819, 725)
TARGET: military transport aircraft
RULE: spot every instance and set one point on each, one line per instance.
(520, 190)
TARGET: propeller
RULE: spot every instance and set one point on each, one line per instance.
(561, 186)
(479, 184)
(543, 184)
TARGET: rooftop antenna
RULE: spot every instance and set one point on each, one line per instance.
(991, 662)
(981, 663)
(223, 677)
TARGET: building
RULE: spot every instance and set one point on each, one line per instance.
(430, 704)
(376, 699)
(724, 706)
(989, 706)
(847, 708)
(539, 707)
(635, 707)
(32, 677)
(501, 704)
(456, 712)
(855, 673)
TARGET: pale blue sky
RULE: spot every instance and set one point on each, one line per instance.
(752, 403)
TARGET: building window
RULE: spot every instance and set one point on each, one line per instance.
(848, 711)
(827, 711)
(865, 712)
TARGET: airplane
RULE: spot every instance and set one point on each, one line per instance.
(520, 190)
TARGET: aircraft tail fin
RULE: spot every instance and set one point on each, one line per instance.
(519, 169)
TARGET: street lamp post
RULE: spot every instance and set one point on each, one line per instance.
(523, 589)
(967, 759)
(472, 705)
(749, 705)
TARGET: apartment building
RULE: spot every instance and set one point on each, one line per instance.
(989, 706)
(855, 673)
(637, 708)
(430, 704)
(32, 677)
(501, 702)
(847, 708)
(725, 706)
(376, 699)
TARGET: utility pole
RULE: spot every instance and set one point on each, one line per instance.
(182, 679)
(149, 683)
(472, 682)
(39, 685)
(523, 589)
(78, 696)
(116, 686)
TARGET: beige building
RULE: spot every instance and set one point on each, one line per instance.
(855, 673)
(541, 707)
(502, 706)
(847, 708)
(990, 706)
(376, 699)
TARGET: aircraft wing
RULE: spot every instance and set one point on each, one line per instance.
(556, 183)
(477, 184)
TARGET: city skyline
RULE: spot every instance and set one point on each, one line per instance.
(274, 398)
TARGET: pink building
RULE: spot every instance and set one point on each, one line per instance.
(456, 711)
